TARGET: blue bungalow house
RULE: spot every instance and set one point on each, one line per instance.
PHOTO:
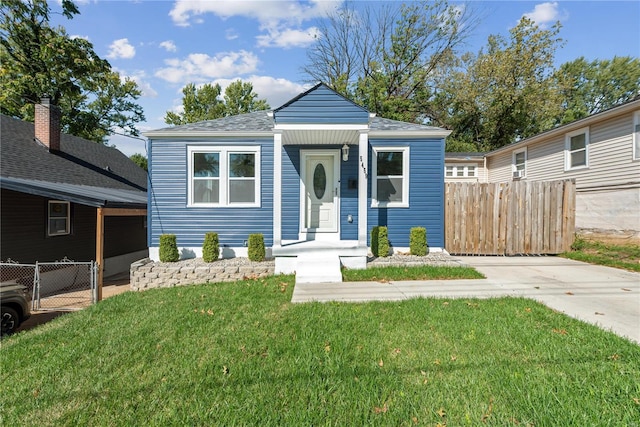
(313, 176)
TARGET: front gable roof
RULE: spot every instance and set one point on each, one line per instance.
(25, 164)
(320, 105)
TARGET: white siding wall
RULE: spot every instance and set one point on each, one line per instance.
(481, 172)
(610, 158)
(611, 170)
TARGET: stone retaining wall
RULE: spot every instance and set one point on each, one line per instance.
(146, 274)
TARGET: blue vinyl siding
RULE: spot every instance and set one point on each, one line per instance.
(426, 194)
(168, 198)
(290, 192)
(349, 197)
(321, 106)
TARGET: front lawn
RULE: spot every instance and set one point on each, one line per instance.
(242, 354)
(423, 272)
(623, 256)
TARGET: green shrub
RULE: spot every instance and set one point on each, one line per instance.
(418, 241)
(169, 248)
(210, 247)
(379, 241)
(256, 247)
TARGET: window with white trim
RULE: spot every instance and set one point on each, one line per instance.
(58, 218)
(390, 177)
(577, 149)
(460, 171)
(224, 176)
(636, 136)
(519, 163)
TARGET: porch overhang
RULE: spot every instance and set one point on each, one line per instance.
(320, 134)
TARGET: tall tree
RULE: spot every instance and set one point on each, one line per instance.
(205, 102)
(140, 160)
(387, 57)
(504, 93)
(590, 87)
(38, 60)
(239, 98)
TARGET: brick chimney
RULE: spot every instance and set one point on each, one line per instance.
(47, 123)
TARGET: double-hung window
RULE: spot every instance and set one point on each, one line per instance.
(59, 218)
(636, 136)
(224, 176)
(520, 163)
(390, 181)
(460, 171)
(577, 149)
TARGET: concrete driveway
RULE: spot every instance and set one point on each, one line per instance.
(607, 297)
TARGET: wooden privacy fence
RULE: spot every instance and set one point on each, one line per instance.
(510, 218)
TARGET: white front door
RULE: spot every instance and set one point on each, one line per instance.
(320, 191)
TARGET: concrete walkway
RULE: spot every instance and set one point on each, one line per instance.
(606, 297)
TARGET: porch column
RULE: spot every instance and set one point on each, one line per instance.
(277, 188)
(100, 250)
(363, 184)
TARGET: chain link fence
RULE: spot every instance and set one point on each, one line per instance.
(55, 286)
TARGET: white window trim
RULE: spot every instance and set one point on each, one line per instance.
(635, 140)
(224, 151)
(405, 178)
(514, 165)
(567, 149)
(465, 168)
(67, 218)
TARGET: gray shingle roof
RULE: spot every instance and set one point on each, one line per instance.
(79, 162)
(382, 124)
(260, 121)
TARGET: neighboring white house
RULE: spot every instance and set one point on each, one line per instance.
(464, 167)
(601, 152)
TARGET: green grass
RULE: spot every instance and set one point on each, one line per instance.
(242, 354)
(626, 257)
(426, 272)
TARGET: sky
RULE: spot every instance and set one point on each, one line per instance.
(164, 45)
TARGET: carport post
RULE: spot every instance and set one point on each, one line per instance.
(99, 248)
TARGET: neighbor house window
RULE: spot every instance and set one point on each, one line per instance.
(577, 149)
(520, 163)
(59, 218)
(460, 171)
(390, 182)
(224, 176)
(636, 136)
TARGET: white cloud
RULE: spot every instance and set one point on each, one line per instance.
(544, 14)
(276, 91)
(231, 34)
(140, 78)
(199, 67)
(168, 45)
(288, 38)
(121, 48)
(280, 20)
(263, 11)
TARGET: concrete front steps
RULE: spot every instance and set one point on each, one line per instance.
(318, 268)
(318, 261)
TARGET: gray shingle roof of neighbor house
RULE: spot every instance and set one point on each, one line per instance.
(92, 173)
(262, 122)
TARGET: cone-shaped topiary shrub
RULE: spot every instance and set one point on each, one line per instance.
(379, 241)
(418, 241)
(256, 247)
(210, 247)
(169, 248)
